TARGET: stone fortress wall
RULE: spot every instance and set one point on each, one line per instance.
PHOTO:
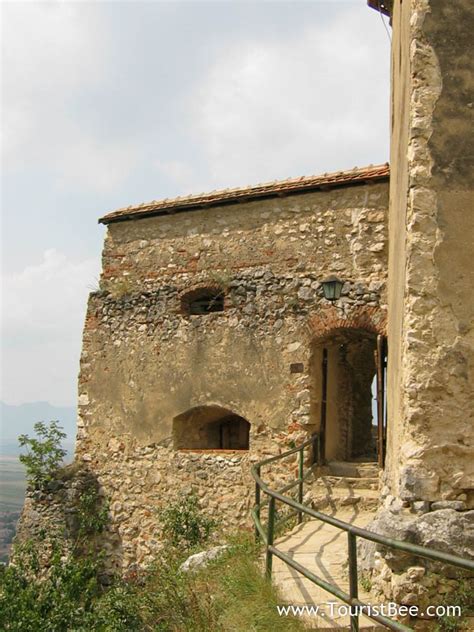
(428, 491)
(154, 378)
(431, 302)
(146, 363)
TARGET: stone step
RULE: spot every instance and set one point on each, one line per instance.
(322, 549)
(365, 625)
(346, 482)
(351, 469)
(338, 498)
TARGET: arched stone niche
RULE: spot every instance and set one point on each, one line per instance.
(210, 428)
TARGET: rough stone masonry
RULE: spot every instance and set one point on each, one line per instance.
(428, 491)
(172, 400)
(203, 349)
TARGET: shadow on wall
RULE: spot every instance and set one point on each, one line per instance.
(210, 428)
(72, 513)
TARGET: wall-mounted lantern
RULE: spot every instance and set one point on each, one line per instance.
(332, 287)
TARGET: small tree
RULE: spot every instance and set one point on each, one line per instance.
(45, 453)
(184, 524)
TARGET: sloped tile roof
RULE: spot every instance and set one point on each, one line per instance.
(277, 188)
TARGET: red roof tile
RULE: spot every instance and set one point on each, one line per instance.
(278, 188)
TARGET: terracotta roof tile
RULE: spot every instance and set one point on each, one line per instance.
(240, 194)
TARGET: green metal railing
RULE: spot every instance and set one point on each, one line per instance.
(353, 532)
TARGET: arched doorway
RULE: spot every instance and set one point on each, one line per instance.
(210, 428)
(343, 369)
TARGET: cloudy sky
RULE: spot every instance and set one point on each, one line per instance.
(106, 104)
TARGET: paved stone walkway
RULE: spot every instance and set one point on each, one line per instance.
(323, 550)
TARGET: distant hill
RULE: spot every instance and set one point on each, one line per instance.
(17, 420)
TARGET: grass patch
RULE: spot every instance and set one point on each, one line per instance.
(464, 598)
(229, 595)
(244, 599)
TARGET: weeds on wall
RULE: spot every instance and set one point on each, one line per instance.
(464, 598)
(222, 278)
(92, 513)
(365, 581)
(95, 285)
(122, 288)
(184, 524)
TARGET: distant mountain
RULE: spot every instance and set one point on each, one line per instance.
(17, 420)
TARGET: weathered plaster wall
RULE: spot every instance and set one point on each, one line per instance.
(145, 362)
(429, 478)
(431, 303)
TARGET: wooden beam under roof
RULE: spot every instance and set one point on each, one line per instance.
(383, 6)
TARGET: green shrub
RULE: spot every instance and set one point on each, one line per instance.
(230, 595)
(463, 597)
(92, 512)
(184, 524)
(69, 596)
(365, 582)
(44, 453)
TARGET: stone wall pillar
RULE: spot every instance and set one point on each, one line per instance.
(429, 476)
(431, 276)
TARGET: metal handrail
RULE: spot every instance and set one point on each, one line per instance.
(353, 532)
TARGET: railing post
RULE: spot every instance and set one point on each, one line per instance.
(300, 484)
(353, 583)
(270, 535)
(316, 450)
(257, 502)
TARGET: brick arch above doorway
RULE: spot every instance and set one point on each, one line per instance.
(326, 321)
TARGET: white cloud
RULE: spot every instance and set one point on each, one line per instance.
(43, 313)
(179, 172)
(49, 52)
(98, 166)
(101, 100)
(55, 53)
(309, 104)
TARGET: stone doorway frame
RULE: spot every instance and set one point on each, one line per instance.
(325, 324)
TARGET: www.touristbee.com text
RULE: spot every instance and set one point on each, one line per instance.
(332, 609)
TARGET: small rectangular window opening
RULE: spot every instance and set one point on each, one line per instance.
(207, 303)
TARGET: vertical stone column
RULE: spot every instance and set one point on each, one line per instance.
(430, 457)
(431, 275)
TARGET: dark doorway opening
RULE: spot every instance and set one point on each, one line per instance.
(343, 368)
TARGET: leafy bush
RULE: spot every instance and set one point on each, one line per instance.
(92, 512)
(44, 453)
(464, 598)
(184, 524)
(365, 582)
(230, 595)
(68, 597)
